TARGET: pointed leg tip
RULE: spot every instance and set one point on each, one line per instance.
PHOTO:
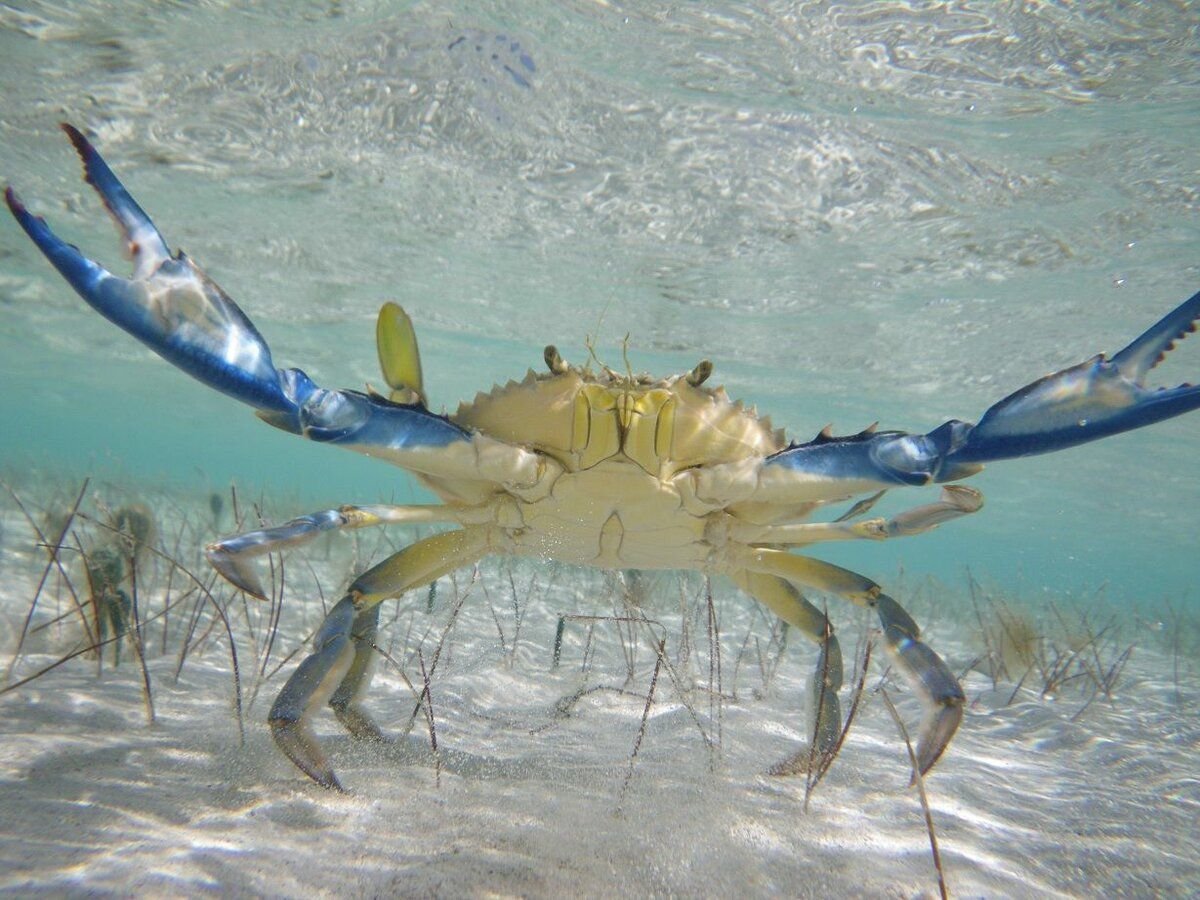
(299, 745)
(254, 591)
(791, 766)
(331, 783)
(803, 762)
(238, 573)
(251, 586)
(936, 734)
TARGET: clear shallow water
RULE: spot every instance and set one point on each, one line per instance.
(893, 212)
(885, 213)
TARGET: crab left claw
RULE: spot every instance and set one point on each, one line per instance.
(1094, 399)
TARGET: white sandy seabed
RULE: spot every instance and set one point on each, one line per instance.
(538, 791)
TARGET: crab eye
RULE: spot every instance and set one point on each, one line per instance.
(700, 374)
(554, 361)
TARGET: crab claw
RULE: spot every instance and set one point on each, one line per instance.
(1092, 400)
(185, 317)
(169, 303)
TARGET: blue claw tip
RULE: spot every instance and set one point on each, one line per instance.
(145, 243)
(1095, 399)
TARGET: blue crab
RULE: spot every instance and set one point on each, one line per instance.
(593, 468)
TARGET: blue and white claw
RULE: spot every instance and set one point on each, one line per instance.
(1092, 400)
(170, 305)
(1095, 399)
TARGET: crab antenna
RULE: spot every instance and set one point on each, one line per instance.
(625, 356)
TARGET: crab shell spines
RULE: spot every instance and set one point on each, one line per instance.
(580, 419)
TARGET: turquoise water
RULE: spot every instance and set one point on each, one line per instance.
(893, 212)
(888, 211)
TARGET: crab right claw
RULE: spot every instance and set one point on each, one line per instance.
(169, 303)
(171, 306)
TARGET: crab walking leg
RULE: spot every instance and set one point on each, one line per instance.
(824, 710)
(338, 670)
(956, 501)
(231, 556)
(924, 669)
(345, 701)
